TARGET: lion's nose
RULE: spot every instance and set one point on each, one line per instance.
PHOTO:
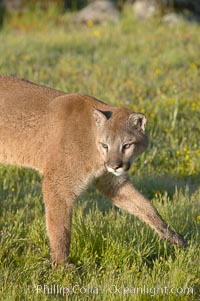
(115, 165)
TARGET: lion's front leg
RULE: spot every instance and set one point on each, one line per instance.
(58, 211)
(125, 196)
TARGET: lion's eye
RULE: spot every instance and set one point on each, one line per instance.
(104, 145)
(126, 146)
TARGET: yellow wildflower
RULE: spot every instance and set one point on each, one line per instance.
(157, 70)
(171, 101)
(193, 66)
(90, 23)
(96, 33)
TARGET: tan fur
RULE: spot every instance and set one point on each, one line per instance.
(73, 140)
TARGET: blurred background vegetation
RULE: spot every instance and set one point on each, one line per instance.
(20, 6)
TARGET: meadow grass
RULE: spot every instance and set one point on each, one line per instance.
(150, 68)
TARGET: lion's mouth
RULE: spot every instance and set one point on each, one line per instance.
(116, 172)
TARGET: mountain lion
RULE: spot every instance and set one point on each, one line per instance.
(73, 140)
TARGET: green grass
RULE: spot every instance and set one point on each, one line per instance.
(148, 67)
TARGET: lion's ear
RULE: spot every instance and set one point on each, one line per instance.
(138, 121)
(101, 117)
